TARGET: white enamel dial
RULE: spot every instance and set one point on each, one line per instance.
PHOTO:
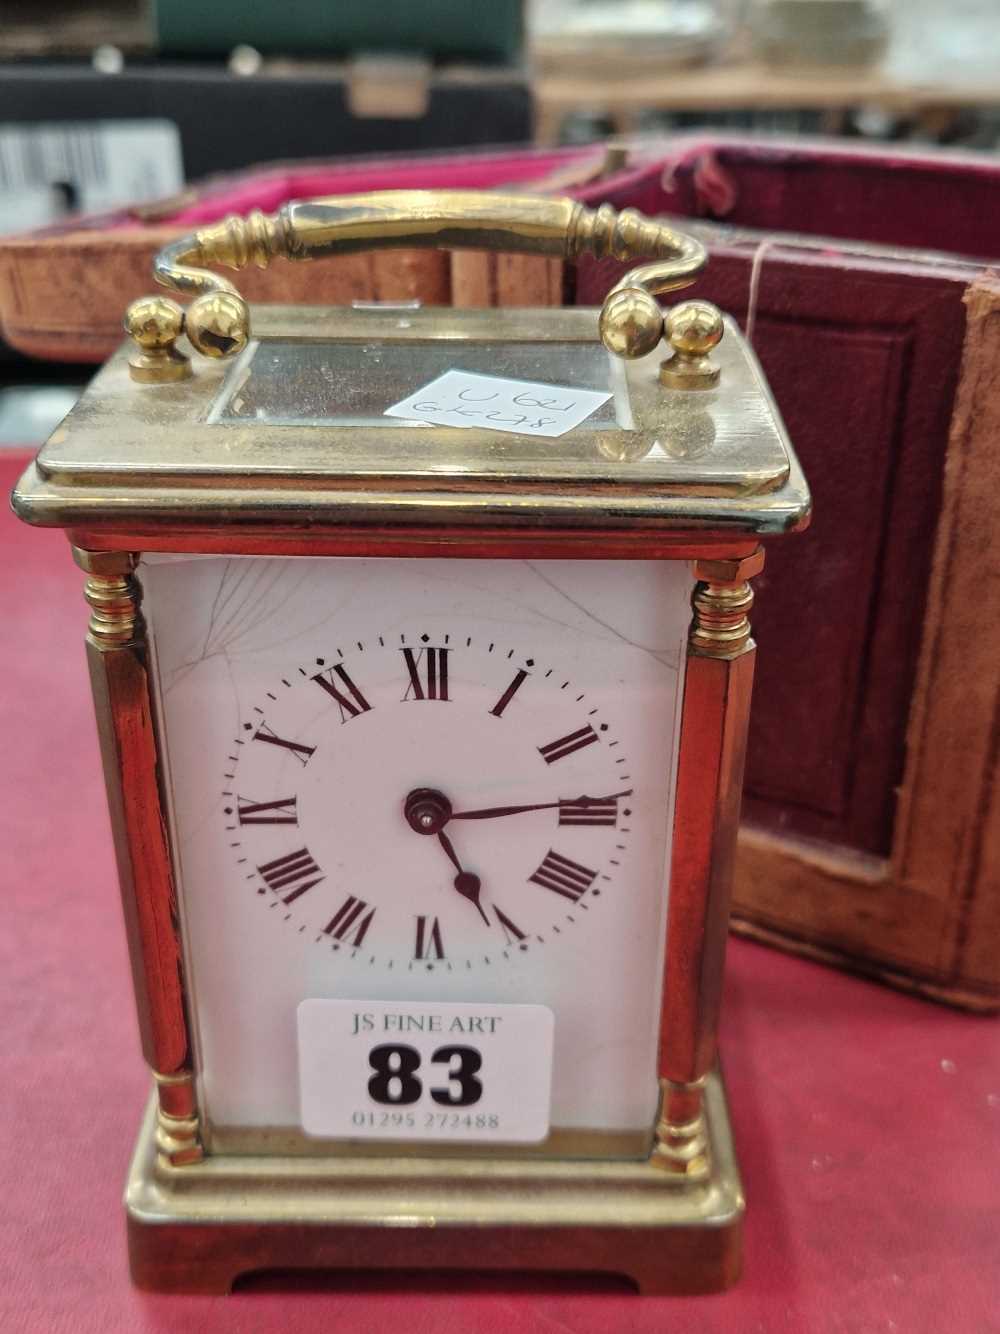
(423, 781)
(355, 801)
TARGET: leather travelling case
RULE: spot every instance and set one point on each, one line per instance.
(871, 833)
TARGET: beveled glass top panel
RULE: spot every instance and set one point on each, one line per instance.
(287, 382)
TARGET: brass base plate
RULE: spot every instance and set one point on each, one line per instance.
(198, 1228)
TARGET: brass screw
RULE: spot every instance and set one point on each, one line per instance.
(693, 329)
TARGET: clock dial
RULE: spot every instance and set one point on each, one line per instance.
(420, 781)
(429, 838)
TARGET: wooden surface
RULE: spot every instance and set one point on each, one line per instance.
(751, 84)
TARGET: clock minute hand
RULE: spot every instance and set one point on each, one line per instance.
(494, 812)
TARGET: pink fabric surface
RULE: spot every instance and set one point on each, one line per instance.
(868, 1123)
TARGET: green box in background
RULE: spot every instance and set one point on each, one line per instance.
(439, 29)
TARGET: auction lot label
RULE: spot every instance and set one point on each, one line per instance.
(414, 1071)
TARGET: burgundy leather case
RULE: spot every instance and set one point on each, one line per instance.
(862, 352)
(872, 816)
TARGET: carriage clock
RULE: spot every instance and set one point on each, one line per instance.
(421, 657)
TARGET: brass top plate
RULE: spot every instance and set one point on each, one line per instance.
(293, 431)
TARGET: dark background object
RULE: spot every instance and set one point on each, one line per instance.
(227, 121)
(442, 29)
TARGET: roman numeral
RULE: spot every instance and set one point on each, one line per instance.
(509, 693)
(295, 872)
(428, 668)
(350, 704)
(282, 811)
(302, 753)
(345, 924)
(511, 930)
(563, 876)
(558, 750)
(589, 811)
(428, 944)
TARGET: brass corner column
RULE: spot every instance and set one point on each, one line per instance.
(117, 654)
(717, 688)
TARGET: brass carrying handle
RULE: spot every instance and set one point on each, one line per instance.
(217, 322)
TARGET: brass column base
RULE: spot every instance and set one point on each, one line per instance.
(197, 1228)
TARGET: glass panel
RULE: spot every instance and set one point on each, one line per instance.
(294, 738)
(295, 383)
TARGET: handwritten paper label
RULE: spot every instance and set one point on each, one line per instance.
(520, 407)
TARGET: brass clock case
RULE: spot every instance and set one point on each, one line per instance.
(269, 439)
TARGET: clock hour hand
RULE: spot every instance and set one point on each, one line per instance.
(449, 848)
(493, 812)
(467, 884)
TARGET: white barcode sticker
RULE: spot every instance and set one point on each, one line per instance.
(49, 170)
(521, 407)
(427, 1071)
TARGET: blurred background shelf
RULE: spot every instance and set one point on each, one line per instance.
(934, 62)
(747, 87)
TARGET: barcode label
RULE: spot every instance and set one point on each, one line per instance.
(49, 170)
(37, 155)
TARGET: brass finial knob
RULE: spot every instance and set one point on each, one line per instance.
(631, 322)
(218, 324)
(693, 329)
(154, 323)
